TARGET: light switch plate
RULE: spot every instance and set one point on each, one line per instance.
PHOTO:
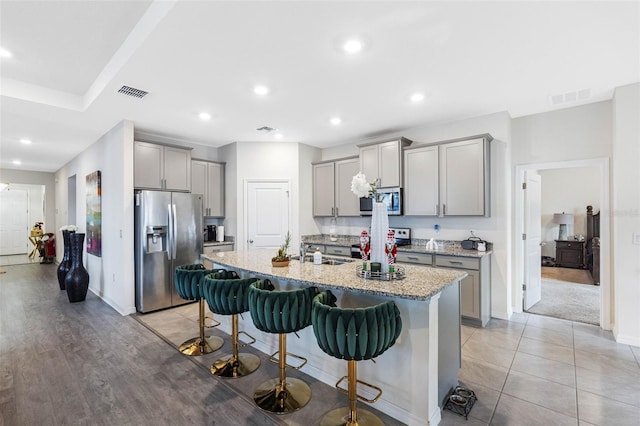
(636, 238)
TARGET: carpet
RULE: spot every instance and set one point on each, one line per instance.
(573, 302)
(580, 276)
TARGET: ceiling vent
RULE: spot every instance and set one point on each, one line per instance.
(131, 91)
(573, 96)
(265, 129)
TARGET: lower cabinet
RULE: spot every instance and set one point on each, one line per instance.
(475, 288)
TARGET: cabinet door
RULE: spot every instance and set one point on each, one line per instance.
(199, 182)
(389, 164)
(215, 189)
(421, 181)
(323, 189)
(147, 165)
(346, 201)
(462, 178)
(470, 295)
(177, 169)
(369, 162)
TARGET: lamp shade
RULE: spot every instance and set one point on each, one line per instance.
(563, 218)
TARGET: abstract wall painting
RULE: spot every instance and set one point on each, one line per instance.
(94, 213)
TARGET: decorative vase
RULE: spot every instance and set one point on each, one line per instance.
(378, 237)
(65, 265)
(77, 279)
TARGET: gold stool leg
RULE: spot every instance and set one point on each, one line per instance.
(282, 395)
(351, 416)
(202, 344)
(236, 364)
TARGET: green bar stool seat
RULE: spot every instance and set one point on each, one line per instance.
(188, 281)
(281, 312)
(227, 294)
(354, 334)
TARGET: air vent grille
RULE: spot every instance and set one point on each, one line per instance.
(132, 91)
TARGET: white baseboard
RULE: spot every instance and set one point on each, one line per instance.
(122, 311)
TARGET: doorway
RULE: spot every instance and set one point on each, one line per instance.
(267, 208)
(557, 194)
(21, 206)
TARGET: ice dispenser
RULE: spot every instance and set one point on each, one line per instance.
(156, 239)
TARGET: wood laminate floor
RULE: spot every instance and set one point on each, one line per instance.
(85, 364)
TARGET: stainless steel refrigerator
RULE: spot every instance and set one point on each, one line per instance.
(168, 233)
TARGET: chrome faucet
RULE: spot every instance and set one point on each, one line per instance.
(303, 252)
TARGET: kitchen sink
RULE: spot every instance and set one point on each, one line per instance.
(325, 260)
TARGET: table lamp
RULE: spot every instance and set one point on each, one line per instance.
(563, 219)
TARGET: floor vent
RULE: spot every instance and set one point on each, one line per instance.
(131, 91)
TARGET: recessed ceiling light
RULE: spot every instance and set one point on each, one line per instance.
(335, 121)
(4, 53)
(25, 141)
(278, 136)
(417, 97)
(352, 46)
(261, 90)
(17, 162)
(204, 116)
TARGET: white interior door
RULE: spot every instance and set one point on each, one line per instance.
(267, 213)
(532, 230)
(14, 229)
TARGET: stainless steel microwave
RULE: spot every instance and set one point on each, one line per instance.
(391, 197)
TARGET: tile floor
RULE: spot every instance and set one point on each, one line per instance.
(536, 370)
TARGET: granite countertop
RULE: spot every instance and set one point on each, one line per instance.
(420, 283)
(445, 247)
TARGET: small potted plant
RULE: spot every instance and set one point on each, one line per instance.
(282, 258)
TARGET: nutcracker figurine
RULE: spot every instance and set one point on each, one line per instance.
(364, 248)
(391, 249)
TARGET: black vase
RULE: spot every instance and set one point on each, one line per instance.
(65, 265)
(77, 279)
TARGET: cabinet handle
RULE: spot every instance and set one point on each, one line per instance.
(444, 209)
(455, 262)
(412, 258)
(336, 211)
(332, 211)
(437, 209)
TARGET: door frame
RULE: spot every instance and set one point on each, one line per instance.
(606, 286)
(242, 243)
(527, 245)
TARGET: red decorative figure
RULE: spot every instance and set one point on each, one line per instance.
(390, 247)
(364, 245)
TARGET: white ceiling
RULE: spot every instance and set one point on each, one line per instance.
(468, 58)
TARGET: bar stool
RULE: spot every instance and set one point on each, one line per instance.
(226, 294)
(281, 312)
(188, 280)
(354, 334)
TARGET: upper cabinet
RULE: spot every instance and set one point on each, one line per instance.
(383, 161)
(207, 178)
(332, 194)
(448, 179)
(161, 167)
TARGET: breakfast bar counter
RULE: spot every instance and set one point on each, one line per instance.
(417, 372)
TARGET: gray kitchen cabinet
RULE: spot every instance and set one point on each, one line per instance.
(475, 288)
(448, 178)
(383, 161)
(464, 177)
(332, 194)
(421, 181)
(344, 251)
(418, 258)
(161, 167)
(207, 178)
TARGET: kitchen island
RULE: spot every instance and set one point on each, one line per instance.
(417, 372)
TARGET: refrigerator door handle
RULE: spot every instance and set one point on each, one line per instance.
(174, 239)
(169, 233)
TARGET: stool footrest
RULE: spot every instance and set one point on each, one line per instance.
(243, 344)
(276, 359)
(360, 397)
(214, 322)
